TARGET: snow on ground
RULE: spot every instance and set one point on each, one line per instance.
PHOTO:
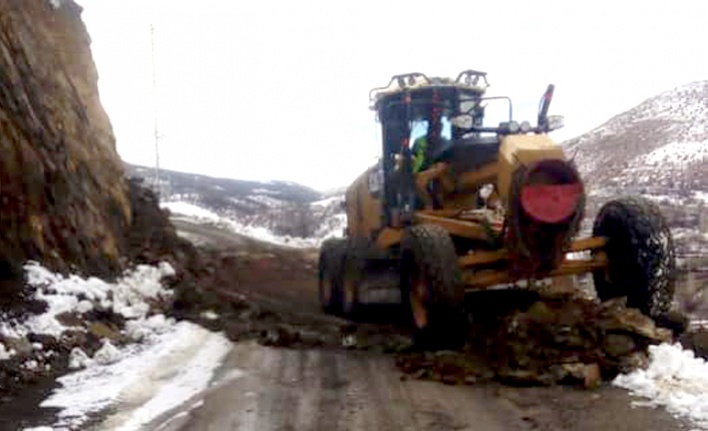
(127, 297)
(703, 196)
(165, 365)
(675, 379)
(190, 210)
(678, 153)
(175, 363)
(262, 191)
(327, 201)
(266, 235)
(201, 215)
(266, 200)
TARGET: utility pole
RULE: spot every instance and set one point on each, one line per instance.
(156, 183)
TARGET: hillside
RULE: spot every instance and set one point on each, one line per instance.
(658, 149)
(278, 211)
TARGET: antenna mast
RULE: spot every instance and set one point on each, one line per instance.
(156, 184)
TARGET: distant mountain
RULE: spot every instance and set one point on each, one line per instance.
(659, 149)
(284, 208)
(218, 192)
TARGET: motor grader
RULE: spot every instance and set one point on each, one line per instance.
(488, 207)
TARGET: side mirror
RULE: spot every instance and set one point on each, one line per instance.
(555, 122)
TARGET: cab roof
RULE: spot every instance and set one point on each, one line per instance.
(470, 82)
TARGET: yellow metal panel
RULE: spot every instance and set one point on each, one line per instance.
(364, 211)
(461, 228)
(487, 257)
(482, 279)
(517, 150)
(389, 237)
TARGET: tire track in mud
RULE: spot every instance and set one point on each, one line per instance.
(285, 389)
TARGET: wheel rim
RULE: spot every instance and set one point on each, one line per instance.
(418, 299)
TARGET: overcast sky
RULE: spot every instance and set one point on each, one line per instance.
(279, 89)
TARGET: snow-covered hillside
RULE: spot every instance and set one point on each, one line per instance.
(279, 212)
(331, 227)
(659, 149)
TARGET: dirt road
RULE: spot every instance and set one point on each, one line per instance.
(262, 388)
(266, 388)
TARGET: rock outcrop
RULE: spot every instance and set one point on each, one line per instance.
(63, 197)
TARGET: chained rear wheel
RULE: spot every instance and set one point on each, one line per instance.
(641, 255)
(433, 289)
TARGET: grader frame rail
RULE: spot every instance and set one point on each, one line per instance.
(482, 207)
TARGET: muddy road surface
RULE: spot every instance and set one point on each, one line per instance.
(322, 386)
(265, 388)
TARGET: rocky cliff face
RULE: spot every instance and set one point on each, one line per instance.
(62, 194)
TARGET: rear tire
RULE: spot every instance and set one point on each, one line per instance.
(641, 255)
(330, 275)
(432, 288)
(353, 275)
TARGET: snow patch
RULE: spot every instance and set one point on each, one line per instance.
(4, 353)
(262, 191)
(127, 297)
(190, 210)
(328, 201)
(139, 329)
(266, 200)
(79, 359)
(678, 153)
(169, 364)
(197, 214)
(149, 378)
(209, 315)
(675, 379)
(107, 354)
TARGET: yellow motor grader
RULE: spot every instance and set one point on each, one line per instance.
(454, 206)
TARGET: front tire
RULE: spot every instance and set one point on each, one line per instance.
(433, 290)
(641, 255)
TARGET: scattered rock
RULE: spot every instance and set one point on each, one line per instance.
(21, 346)
(588, 375)
(696, 340)
(675, 321)
(618, 345)
(103, 331)
(70, 319)
(543, 340)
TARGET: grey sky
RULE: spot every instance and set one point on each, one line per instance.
(279, 89)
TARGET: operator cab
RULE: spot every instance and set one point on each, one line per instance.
(429, 120)
(413, 108)
(448, 115)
